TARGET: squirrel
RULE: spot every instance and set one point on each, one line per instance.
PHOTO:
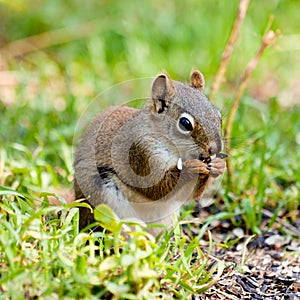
(146, 163)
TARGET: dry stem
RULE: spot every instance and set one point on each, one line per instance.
(50, 38)
(229, 47)
(268, 39)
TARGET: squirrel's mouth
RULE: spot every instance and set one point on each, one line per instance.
(208, 159)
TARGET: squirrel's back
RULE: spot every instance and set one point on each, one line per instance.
(101, 132)
(93, 164)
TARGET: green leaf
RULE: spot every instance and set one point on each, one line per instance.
(11, 193)
(80, 264)
(109, 263)
(117, 289)
(105, 216)
(127, 260)
(250, 215)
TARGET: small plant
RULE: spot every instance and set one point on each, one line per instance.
(45, 256)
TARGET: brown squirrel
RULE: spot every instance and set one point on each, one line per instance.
(146, 163)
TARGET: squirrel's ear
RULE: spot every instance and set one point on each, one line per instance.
(162, 92)
(197, 80)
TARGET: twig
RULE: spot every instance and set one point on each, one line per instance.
(281, 222)
(49, 38)
(229, 47)
(268, 39)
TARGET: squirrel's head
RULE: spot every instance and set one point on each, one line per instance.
(186, 116)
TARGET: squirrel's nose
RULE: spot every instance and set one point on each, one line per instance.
(215, 147)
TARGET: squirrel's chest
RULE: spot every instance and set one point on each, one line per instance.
(131, 203)
(165, 154)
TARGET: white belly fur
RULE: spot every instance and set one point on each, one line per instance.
(140, 208)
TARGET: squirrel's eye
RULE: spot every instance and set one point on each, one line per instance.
(185, 123)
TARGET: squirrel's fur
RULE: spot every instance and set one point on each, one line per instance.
(128, 158)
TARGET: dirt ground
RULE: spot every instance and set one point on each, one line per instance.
(257, 267)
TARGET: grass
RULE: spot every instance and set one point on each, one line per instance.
(43, 256)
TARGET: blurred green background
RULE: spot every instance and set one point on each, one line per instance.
(56, 56)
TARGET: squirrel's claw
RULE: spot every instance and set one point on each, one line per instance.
(217, 167)
(196, 167)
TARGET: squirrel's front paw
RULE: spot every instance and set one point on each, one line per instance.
(217, 166)
(195, 167)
